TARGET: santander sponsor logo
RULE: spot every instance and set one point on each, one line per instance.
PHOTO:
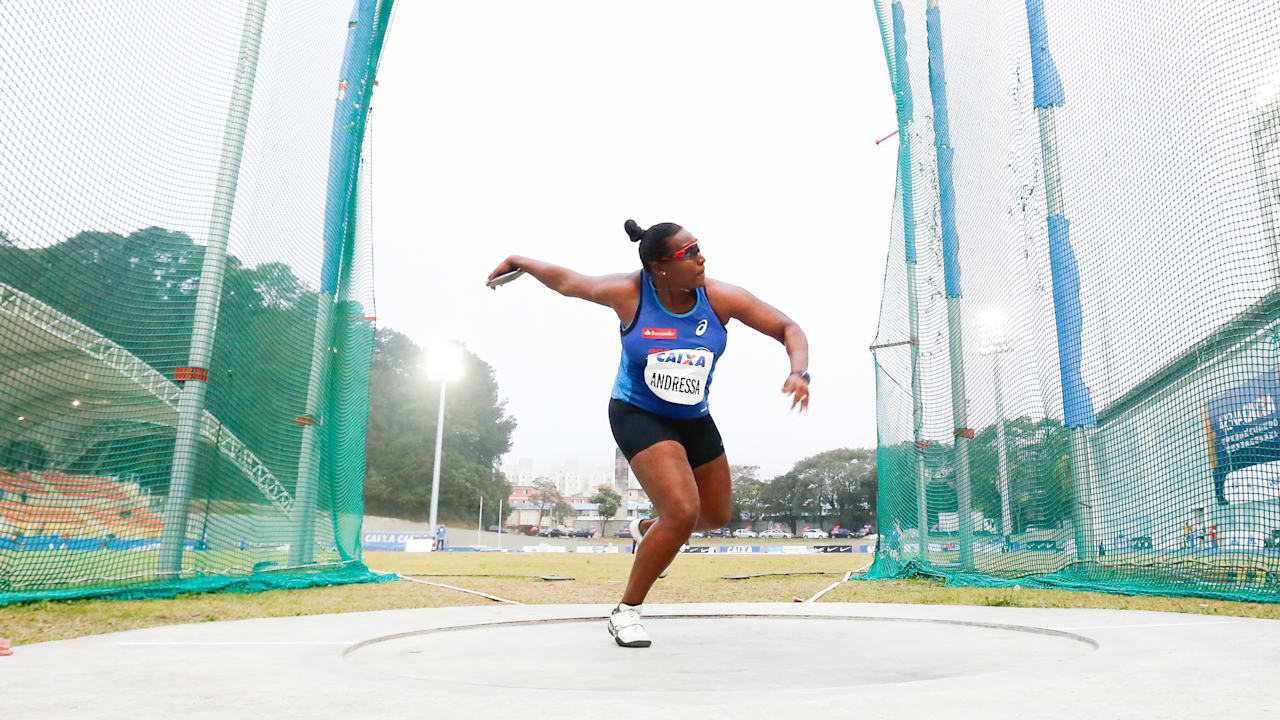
(658, 333)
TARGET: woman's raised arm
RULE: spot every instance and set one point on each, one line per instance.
(611, 290)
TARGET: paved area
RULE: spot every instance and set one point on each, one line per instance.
(744, 660)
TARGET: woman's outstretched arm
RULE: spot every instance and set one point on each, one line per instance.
(610, 290)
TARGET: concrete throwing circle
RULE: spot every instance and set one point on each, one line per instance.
(710, 653)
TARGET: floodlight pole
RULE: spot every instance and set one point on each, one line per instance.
(480, 520)
(195, 377)
(1002, 454)
(435, 469)
(1077, 405)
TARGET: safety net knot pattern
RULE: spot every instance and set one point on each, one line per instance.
(1077, 353)
(186, 298)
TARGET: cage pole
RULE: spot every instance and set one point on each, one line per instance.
(951, 276)
(195, 377)
(1077, 405)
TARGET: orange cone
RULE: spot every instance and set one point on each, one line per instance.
(4, 647)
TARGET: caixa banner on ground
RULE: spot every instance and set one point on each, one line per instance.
(408, 541)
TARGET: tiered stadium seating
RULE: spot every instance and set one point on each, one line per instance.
(44, 504)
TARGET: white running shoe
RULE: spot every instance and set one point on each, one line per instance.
(637, 536)
(625, 627)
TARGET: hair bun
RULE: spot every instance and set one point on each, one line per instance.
(634, 231)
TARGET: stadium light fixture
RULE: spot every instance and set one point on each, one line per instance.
(991, 332)
(444, 361)
(75, 403)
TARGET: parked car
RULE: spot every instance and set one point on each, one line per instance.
(580, 533)
(745, 533)
(776, 534)
(623, 532)
(814, 534)
(721, 533)
(845, 533)
(551, 532)
(496, 529)
(698, 534)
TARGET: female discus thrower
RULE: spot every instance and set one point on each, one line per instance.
(673, 322)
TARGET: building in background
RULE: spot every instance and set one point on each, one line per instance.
(576, 486)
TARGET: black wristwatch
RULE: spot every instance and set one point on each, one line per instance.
(804, 374)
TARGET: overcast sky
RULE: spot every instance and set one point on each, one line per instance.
(536, 129)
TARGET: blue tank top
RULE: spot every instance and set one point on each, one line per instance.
(667, 359)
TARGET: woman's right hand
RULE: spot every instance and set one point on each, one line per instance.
(503, 268)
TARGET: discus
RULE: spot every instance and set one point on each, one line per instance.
(504, 278)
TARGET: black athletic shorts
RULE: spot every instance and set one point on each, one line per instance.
(635, 429)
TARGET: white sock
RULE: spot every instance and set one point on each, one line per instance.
(624, 606)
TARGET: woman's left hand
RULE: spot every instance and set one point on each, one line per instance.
(798, 389)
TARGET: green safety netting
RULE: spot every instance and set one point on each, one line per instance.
(1077, 352)
(186, 300)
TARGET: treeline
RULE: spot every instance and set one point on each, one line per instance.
(837, 487)
(139, 290)
(404, 406)
(1037, 465)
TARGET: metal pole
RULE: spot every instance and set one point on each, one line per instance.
(951, 276)
(1077, 405)
(1266, 147)
(960, 417)
(350, 105)
(435, 470)
(501, 523)
(1006, 511)
(902, 99)
(480, 520)
(205, 321)
(917, 418)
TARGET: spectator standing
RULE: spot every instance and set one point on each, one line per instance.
(440, 537)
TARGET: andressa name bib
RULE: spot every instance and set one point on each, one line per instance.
(679, 376)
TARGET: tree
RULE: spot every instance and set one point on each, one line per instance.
(608, 501)
(140, 291)
(561, 512)
(844, 482)
(788, 498)
(545, 494)
(402, 424)
(745, 499)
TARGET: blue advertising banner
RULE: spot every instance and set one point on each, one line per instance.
(1243, 425)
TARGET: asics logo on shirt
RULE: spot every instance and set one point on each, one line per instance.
(702, 327)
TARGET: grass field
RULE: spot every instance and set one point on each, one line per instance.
(596, 579)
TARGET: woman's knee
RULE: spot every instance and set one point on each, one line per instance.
(716, 517)
(681, 512)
